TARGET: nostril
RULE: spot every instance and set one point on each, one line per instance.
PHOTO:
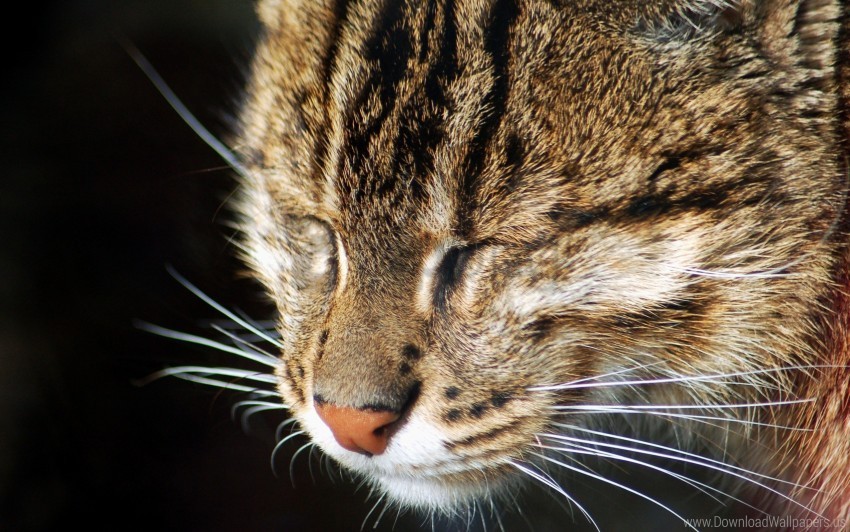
(361, 430)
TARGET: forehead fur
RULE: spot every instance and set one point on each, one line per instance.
(440, 114)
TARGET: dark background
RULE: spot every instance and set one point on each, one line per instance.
(101, 186)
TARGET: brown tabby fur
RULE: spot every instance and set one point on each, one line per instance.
(641, 190)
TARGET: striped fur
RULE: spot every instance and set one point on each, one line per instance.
(468, 208)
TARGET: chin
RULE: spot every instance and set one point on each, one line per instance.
(448, 495)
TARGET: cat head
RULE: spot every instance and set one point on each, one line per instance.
(475, 216)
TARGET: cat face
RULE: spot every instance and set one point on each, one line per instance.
(479, 217)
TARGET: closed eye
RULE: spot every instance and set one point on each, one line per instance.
(319, 250)
(450, 272)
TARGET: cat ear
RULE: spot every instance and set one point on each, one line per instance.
(800, 33)
(684, 20)
(268, 11)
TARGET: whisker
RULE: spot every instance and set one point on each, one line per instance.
(775, 273)
(264, 325)
(209, 301)
(565, 507)
(595, 377)
(280, 445)
(267, 326)
(200, 340)
(283, 424)
(614, 483)
(615, 408)
(271, 359)
(497, 515)
(592, 451)
(397, 516)
(689, 378)
(702, 487)
(387, 506)
(209, 382)
(249, 403)
(681, 452)
(206, 370)
(374, 506)
(208, 170)
(246, 415)
(471, 511)
(779, 271)
(692, 417)
(554, 485)
(701, 463)
(310, 464)
(174, 101)
(294, 456)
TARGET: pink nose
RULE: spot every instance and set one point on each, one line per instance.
(363, 431)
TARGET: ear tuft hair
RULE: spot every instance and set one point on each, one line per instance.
(269, 11)
(685, 20)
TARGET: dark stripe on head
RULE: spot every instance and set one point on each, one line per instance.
(329, 67)
(329, 63)
(497, 45)
(421, 128)
(424, 128)
(444, 66)
(388, 50)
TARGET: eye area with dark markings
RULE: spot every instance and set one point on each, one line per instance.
(450, 271)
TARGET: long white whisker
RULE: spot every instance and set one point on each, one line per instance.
(230, 325)
(292, 460)
(271, 360)
(614, 483)
(246, 415)
(678, 451)
(768, 274)
(554, 485)
(249, 403)
(310, 464)
(174, 101)
(582, 449)
(747, 422)
(779, 271)
(701, 463)
(703, 487)
(573, 385)
(209, 301)
(267, 326)
(471, 510)
(616, 408)
(495, 513)
(190, 376)
(207, 371)
(278, 446)
(692, 417)
(397, 516)
(278, 434)
(381, 515)
(595, 377)
(374, 506)
(200, 340)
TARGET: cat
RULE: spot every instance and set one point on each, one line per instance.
(506, 238)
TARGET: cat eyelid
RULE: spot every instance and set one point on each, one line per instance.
(442, 271)
(341, 260)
